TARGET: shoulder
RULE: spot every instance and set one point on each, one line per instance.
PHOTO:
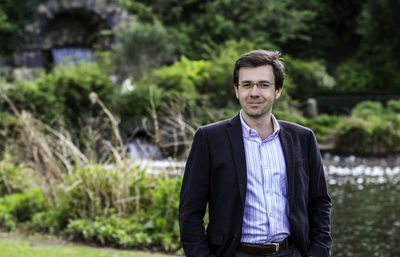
(220, 125)
(294, 128)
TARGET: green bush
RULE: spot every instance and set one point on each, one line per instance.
(136, 103)
(122, 233)
(112, 231)
(306, 78)
(368, 109)
(372, 70)
(371, 129)
(14, 178)
(7, 220)
(24, 206)
(120, 207)
(183, 77)
(64, 92)
(393, 106)
(96, 190)
(323, 125)
(165, 203)
(50, 221)
(7, 125)
(144, 46)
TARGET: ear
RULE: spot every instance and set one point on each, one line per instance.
(236, 91)
(278, 93)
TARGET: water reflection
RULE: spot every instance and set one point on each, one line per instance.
(366, 210)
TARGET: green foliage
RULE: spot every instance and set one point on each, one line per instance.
(165, 204)
(63, 92)
(14, 16)
(378, 24)
(50, 221)
(183, 77)
(13, 178)
(370, 71)
(323, 125)
(105, 231)
(154, 225)
(96, 190)
(136, 103)
(23, 206)
(368, 109)
(200, 26)
(120, 207)
(371, 129)
(143, 47)
(306, 78)
(393, 106)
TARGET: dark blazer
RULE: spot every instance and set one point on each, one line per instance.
(216, 174)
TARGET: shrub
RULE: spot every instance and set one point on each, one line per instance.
(7, 124)
(371, 129)
(7, 220)
(104, 231)
(165, 203)
(306, 78)
(96, 190)
(368, 109)
(144, 46)
(323, 125)
(183, 77)
(372, 70)
(393, 106)
(24, 206)
(66, 90)
(50, 221)
(136, 103)
(13, 178)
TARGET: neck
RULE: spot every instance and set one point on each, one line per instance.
(263, 125)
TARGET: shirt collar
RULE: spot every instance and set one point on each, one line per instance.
(250, 132)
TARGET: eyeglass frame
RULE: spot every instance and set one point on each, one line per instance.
(259, 85)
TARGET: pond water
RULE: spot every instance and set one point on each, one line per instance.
(366, 205)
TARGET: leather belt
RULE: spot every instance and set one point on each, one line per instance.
(265, 249)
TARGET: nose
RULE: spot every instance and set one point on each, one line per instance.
(255, 91)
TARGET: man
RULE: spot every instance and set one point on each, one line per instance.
(263, 179)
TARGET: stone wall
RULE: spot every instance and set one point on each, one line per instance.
(66, 23)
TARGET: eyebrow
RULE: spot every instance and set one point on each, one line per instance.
(249, 81)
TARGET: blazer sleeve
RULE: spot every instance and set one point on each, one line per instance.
(194, 198)
(319, 206)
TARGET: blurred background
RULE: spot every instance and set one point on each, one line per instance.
(99, 100)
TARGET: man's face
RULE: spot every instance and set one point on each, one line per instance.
(257, 101)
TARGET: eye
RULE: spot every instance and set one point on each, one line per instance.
(247, 85)
(264, 85)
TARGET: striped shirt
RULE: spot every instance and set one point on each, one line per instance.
(266, 209)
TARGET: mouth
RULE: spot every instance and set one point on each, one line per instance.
(254, 104)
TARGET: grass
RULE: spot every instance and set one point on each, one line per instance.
(11, 246)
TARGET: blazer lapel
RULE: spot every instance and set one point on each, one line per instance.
(287, 146)
(239, 158)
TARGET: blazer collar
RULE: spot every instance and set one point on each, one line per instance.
(239, 158)
(287, 147)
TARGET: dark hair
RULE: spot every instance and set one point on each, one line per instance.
(258, 58)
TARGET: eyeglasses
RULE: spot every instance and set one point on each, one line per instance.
(262, 85)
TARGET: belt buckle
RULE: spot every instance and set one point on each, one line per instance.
(276, 245)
